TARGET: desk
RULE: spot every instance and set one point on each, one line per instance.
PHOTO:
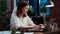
(47, 32)
(55, 31)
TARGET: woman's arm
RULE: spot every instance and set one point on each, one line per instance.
(26, 27)
(30, 22)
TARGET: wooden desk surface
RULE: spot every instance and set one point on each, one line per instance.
(55, 31)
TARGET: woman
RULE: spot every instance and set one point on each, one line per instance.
(20, 19)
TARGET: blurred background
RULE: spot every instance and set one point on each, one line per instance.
(35, 12)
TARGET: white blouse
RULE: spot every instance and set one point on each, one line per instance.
(16, 22)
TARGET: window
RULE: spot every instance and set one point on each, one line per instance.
(36, 7)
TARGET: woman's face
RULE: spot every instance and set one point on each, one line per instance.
(25, 9)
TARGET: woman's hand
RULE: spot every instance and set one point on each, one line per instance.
(42, 26)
